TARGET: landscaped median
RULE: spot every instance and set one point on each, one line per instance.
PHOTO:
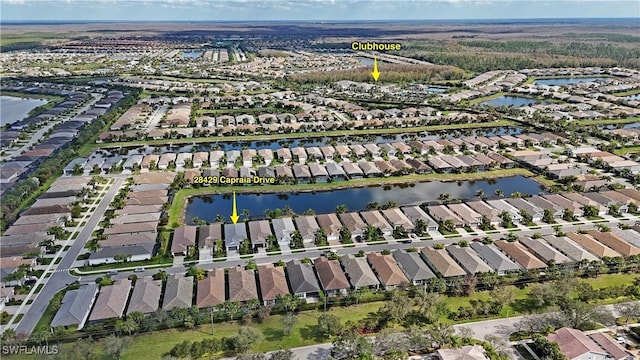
(178, 206)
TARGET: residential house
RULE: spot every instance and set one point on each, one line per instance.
(359, 272)
(332, 278)
(307, 227)
(234, 235)
(145, 297)
(387, 270)
(302, 174)
(114, 254)
(302, 279)
(595, 247)
(415, 269)
(211, 291)
(569, 248)
(576, 345)
(468, 259)
(259, 231)
(184, 239)
(111, 301)
(75, 307)
(208, 235)
(520, 254)
(354, 223)
(178, 292)
(335, 171)
(441, 262)
(374, 218)
(319, 173)
(397, 219)
(282, 229)
(242, 284)
(415, 214)
(469, 352)
(331, 226)
(441, 214)
(273, 283)
(615, 242)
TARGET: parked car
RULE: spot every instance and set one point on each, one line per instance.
(113, 272)
(138, 269)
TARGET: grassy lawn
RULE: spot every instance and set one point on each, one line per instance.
(627, 150)
(610, 280)
(156, 260)
(627, 93)
(608, 121)
(331, 133)
(176, 212)
(152, 346)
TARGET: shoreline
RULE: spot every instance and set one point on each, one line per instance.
(177, 212)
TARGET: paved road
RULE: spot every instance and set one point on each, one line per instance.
(501, 327)
(59, 280)
(312, 253)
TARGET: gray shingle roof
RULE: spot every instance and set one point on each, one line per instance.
(358, 271)
(75, 306)
(302, 279)
(469, 259)
(178, 292)
(412, 265)
(495, 258)
(145, 296)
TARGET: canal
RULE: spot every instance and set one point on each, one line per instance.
(322, 141)
(566, 81)
(515, 101)
(206, 207)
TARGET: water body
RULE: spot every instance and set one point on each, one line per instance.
(565, 81)
(633, 97)
(516, 101)
(366, 61)
(322, 141)
(14, 109)
(356, 199)
(191, 54)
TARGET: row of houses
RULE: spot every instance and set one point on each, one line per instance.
(26, 239)
(133, 231)
(336, 277)
(60, 137)
(258, 232)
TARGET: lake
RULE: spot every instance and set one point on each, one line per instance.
(565, 81)
(356, 199)
(366, 61)
(14, 109)
(515, 101)
(191, 54)
(633, 97)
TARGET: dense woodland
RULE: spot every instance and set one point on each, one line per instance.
(485, 55)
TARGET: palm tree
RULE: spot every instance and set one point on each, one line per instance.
(444, 197)
(480, 193)
(499, 193)
(448, 225)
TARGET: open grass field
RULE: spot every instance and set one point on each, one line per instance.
(608, 121)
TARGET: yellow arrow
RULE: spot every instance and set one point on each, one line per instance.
(375, 73)
(234, 212)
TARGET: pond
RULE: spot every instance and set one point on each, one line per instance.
(515, 101)
(191, 54)
(566, 81)
(366, 61)
(14, 109)
(356, 199)
(321, 141)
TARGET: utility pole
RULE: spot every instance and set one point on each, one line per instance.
(211, 313)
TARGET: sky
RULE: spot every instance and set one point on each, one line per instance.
(317, 10)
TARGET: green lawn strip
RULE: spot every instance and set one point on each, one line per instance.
(608, 121)
(627, 150)
(176, 212)
(156, 260)
(331, 133)
(153, 345)
(627, 93)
